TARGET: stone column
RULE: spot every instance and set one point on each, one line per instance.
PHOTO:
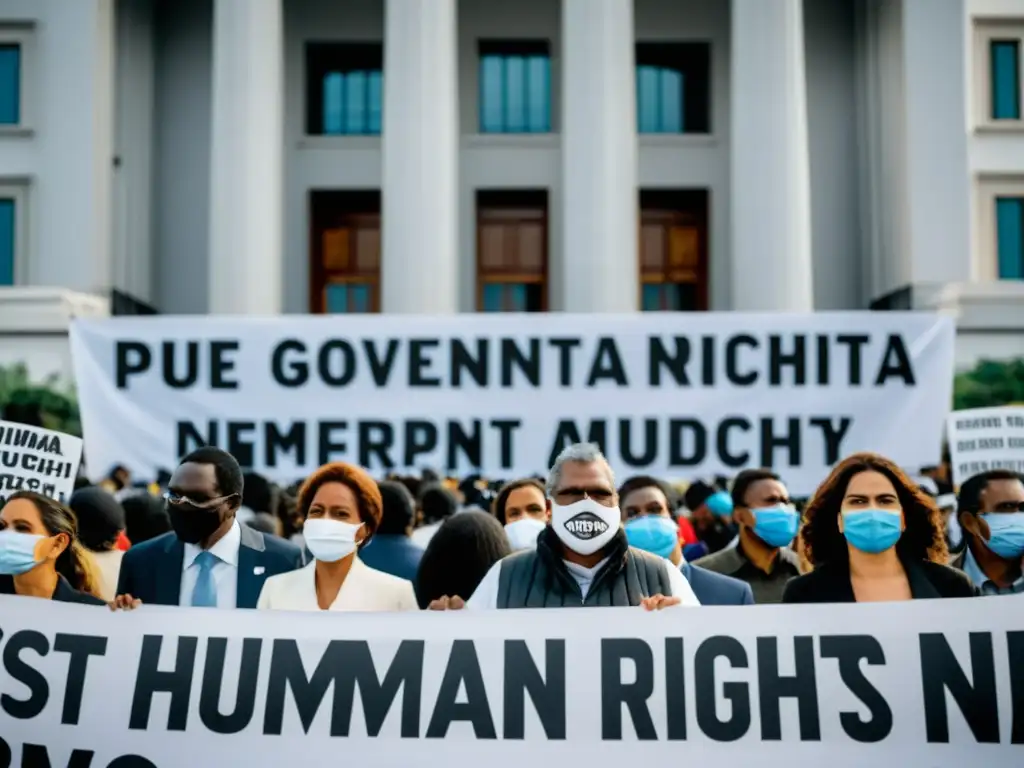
(771, 220)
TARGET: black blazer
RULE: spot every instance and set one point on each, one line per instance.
(831, 583)
(151, 571)
(63, 593)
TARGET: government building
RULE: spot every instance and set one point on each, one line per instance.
(442, 156)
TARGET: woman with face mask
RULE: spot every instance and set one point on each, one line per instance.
(870, 535)
(341, 505)
(521, 506)
(40, 555)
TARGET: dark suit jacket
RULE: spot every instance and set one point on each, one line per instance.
(831, 583)
(716, 588)
(151, 571)
(394, 554)
(63, 593)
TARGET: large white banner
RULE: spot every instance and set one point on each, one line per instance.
(675, 395)
(926, 683)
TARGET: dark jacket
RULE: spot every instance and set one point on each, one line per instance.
(538, 578)
(63, 592)
(716, 588)
(393, 553)
(830, 583)
(765, 587)
(151, 571)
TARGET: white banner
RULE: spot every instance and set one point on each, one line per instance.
(670, 394)
(37, 459)
(922, 683)
(983, 439)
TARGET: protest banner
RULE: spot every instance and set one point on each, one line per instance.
(37, 459)
(673, 395)
(983, 439)
(922, 683)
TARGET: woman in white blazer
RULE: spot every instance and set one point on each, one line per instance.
(342, 506)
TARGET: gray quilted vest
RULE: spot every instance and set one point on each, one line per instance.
(539, 579)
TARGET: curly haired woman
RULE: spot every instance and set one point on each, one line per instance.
(870, 535)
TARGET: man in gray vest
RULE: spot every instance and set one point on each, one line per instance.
(582, 558)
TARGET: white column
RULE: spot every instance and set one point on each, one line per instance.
(771, 220)
(246, 158)
(419, 212)
(599, 157)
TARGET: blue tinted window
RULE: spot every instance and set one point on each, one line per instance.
(1010, 235)
(10, 84)
(348, 298)
(352, 103)
(1005, 64)
(515, 94)
(7, 242)
(493, 297)
(507, 297)
(659, 100)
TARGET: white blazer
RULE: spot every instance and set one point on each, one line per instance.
(364, 589)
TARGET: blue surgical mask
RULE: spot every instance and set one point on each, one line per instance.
(872, 530)
(653, 533)
(17, 552)
(719, 503)
(1006, 533)
(776, 526)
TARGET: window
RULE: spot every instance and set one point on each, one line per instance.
(515, 87)
(996, 64)
(673, 251)
(512, 251)
(673, 92)
(10, 84)
(1010, 237)
(344, 89)
(1005, 76)
(8, 243)
(345, 252)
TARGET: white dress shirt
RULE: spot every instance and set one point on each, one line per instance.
(485, 597)
(421, 536)
(364, 589)
(225, 571)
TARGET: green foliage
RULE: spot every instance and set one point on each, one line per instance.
(55, 401)
(989, 383)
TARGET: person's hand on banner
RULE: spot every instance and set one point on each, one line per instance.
(657, 602)
(445, 603)
(124, 603)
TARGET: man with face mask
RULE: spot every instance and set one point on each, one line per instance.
(209, 560)
(991, 507)
(768, 523)
(583, 557)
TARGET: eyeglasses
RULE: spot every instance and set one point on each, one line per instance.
(178, 500)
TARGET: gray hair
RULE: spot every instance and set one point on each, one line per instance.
(581, 453)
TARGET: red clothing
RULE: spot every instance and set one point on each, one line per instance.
(686, 533)
(122, 542)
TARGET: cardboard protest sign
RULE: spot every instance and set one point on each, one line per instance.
(983, 439)
(37, 459)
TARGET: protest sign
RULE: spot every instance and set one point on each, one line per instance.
(37, 459)
(673, 395)
(928, 682)
(983, 439)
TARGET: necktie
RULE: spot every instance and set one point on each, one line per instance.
(205, 593)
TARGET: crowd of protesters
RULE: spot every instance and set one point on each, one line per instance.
(208, 535)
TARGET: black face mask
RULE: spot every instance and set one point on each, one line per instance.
(192, 525)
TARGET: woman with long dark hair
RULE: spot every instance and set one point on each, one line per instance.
(40, 555)
(870, 534)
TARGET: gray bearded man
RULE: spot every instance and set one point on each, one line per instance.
(582, 558)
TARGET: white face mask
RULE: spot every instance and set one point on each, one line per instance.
(523, 533)
(330, 540)
(585, 526)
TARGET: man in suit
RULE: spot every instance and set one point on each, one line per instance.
(209, 560)
(391, 549)
(716, 588)
(991, 509)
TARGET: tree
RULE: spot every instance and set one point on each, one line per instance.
(49, 403)
(990, 383)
